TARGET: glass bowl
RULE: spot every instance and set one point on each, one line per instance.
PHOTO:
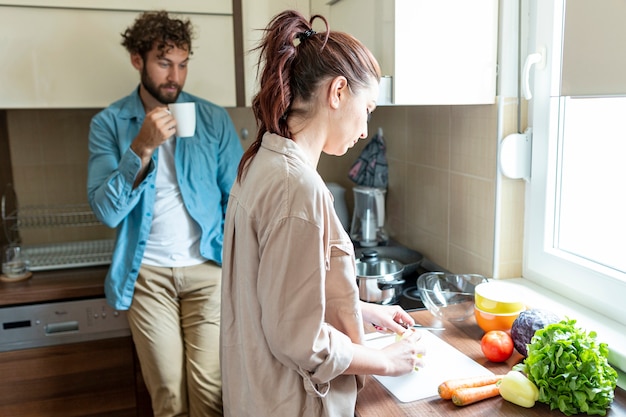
(449, 296)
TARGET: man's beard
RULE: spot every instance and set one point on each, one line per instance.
(155, 91)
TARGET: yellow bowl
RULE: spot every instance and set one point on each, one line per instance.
(490, 321)
(498, 297)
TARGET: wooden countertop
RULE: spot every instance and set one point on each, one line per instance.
(55, 285)
(375, 401)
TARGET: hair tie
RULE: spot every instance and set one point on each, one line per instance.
(302, 36)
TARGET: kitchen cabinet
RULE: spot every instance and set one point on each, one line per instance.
(255, 15)
(187, 6)
(437, 51)
(74, 58)
(79, 379)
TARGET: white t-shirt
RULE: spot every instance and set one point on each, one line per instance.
(174, 237)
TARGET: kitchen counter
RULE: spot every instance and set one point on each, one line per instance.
(375, 401)
(62, 284)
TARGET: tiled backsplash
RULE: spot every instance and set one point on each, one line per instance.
(442, 178)
(49, 160)
(441, 193)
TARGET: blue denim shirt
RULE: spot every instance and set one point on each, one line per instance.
(206, 167)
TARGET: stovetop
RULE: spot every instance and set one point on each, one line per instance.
(410, 298)
(415, 265)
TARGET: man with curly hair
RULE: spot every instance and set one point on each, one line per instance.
(166, 196)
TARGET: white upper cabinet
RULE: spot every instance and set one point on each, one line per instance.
(256, 14)
(437, 51)
(187, 6)
(70, 55)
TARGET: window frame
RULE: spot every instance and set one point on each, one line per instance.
(544, 264)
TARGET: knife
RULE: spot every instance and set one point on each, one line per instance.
(380, 336)
(406, 326)
(419, 326)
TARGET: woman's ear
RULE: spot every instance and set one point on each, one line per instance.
(337, 91)
(137, 61)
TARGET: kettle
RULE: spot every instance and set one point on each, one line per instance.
(368, 219)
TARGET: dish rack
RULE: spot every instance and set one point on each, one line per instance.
(55, 255)
(71, 215)
(77, 254)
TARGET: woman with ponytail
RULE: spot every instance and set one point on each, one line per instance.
(292, 321)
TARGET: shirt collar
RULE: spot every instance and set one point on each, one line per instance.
(133, 107)
(285, 146)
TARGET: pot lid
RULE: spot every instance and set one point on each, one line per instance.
(370, 265)
(410, 259)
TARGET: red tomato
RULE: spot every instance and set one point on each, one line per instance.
(497, 346)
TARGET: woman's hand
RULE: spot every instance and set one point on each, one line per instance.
(386, 317)
(406, 355)
(399, 358)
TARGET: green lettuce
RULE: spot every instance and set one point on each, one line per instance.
(570, 369)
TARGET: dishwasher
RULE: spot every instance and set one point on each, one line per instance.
(66, 358)
(55, 323)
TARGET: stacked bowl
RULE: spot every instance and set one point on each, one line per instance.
(496, 305)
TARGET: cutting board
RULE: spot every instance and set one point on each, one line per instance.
(442, 362)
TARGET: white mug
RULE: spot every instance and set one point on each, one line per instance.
(185, 116)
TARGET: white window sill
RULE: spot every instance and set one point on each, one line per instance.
(608, 330)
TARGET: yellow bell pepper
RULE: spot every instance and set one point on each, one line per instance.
(515, 387)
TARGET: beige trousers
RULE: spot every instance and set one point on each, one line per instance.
(174, 319)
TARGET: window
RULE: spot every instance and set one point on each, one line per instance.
(575, 240)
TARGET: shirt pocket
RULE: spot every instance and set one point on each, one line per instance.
(342, 296)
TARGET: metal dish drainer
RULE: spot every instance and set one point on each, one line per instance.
(55, 255)
(69, 254)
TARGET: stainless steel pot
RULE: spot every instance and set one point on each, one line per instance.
(379, 279)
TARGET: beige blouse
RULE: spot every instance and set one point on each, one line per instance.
(290, 305)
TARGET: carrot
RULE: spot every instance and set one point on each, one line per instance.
(446, 389)
(465, 396)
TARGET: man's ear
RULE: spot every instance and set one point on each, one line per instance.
(137, 61)
(337, 91)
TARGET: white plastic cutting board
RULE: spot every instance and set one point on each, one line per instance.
(442, 362)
